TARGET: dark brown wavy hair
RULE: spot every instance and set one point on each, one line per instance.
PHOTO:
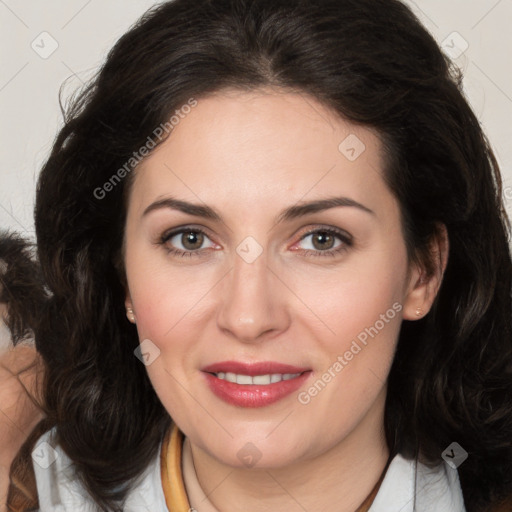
(21, 285)
(373, 63)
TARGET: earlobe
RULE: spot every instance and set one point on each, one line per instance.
(416, 305)
(129, 310)
(424, 285)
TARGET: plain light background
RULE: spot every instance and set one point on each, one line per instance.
(476, 34)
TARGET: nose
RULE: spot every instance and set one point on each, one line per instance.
(252, 302)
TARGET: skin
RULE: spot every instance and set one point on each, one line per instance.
(19, 370)
(249, 156)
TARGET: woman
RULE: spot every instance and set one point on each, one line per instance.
(280, 272)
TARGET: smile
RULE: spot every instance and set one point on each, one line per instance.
(240, 390)
(256, 379)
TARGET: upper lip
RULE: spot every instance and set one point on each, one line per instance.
(252, 369)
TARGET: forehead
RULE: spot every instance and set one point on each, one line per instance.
(258, 145)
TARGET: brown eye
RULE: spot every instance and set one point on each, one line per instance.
(322, 240)
(325, 242)
(186, 242)
(192, 240)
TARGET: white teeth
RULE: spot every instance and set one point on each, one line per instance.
(257, 379)
(264, 379)
(243, 379)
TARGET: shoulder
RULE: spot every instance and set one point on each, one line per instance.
(19, 371)
(60, 490)
(410, 485)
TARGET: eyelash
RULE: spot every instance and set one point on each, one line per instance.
(345, 239)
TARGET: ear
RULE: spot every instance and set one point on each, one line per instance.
(117, 261)
(423, 285)
(130, 314)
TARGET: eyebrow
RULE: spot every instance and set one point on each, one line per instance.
(292, 212)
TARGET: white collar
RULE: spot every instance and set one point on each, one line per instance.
(59, 489)
(408, 486)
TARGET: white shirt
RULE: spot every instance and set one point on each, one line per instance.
(408, 486)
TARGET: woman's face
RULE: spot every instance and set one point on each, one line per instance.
(260, 276)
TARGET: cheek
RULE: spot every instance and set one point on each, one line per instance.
(356, 356)
(163, 295)
(358, 295)
(361, 313)
(170, 309)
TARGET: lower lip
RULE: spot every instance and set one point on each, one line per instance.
(254, 395)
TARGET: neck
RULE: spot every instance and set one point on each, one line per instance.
(338, 480)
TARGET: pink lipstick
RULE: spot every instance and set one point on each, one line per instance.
(254, 384)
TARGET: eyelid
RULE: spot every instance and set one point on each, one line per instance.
(169, 233)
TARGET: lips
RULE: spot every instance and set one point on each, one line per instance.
(247, 392)
(253, 369)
